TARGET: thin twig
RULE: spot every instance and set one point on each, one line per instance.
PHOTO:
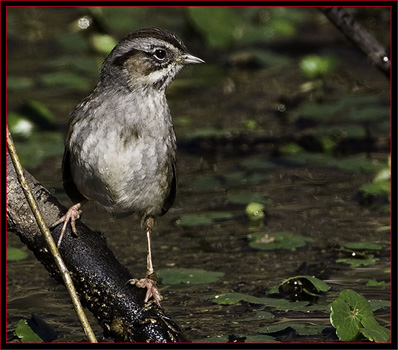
(49, 239)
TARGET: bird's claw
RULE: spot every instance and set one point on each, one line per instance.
(150, 285)
(71, 216)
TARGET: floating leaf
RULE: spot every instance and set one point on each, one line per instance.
(278, 240)
(351, 315)
(374, 283)
(188, 276)
(15, 254)
(358, 262)
(379, 304)
(26, 334)
(189, 220)
(234, 298)
(255, 211)
(280, 304)
(378, 188)
(299, 327)
(315, 66)
(363, 246)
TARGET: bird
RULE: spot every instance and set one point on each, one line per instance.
(120, 148)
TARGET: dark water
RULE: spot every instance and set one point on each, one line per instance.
(231, 126)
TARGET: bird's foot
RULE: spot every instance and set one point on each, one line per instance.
(149, 282)
(71, 216)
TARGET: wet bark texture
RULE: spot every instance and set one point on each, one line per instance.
(99, 278)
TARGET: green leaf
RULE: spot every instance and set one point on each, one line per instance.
(255, 211)
(15, 254)
(278, 240)
(379, 304)
(188, 276)
(373, 331)
(377, 334)
(351, 315)
(189, 220)
(374, 283)
(315, 66)
(363, 246)
(300, 328)
(358, 262)
(318, 284)
(234, 298)
(26, 334)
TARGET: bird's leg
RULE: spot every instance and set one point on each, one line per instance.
(150, 280)
(71, 215)
(149, 223)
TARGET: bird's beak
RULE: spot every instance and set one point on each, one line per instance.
(190, 59)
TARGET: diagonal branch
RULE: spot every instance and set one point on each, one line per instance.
(99, 278)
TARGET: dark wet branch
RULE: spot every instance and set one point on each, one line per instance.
(99, 278)
(359, 36)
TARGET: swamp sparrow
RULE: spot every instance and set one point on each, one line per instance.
(120, 149)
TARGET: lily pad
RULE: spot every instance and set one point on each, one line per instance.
(280, 304)
(188, 276)
(351, 315)
(255, 211)
(189, 220)
(234, 298)
(300, 328)
(15, 254)
(379, 304)
(26, 334)
(358, 262)
(363, 246)
(278, 240)
(318, 66)
(374, 283)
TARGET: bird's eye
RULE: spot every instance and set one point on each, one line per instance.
(160, 54)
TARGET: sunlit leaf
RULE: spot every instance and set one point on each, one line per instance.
(26, 334)
(14, 254)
